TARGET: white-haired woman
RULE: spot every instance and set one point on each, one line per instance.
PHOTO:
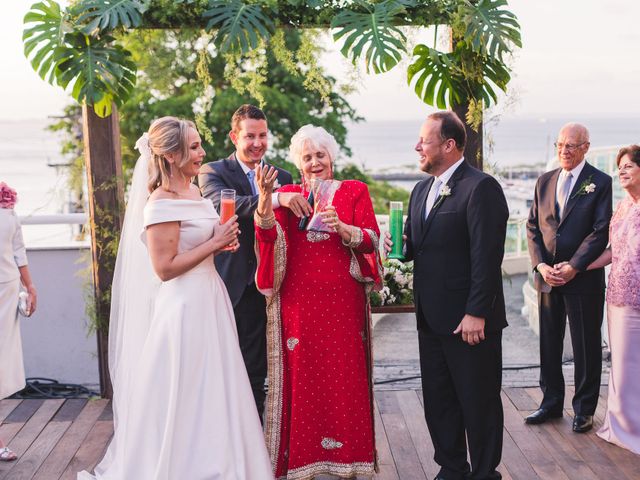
(13, 271)
(319, 405)
(183, 407)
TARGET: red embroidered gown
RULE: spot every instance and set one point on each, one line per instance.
(320, 400)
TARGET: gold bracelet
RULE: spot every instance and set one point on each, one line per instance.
(356, 238)
(265, 222)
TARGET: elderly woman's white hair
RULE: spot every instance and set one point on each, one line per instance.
(317, 137)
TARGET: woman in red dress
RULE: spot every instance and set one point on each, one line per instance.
(319, 415)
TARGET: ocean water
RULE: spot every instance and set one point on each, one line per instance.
(26, 149)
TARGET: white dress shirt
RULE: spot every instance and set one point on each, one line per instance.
(274, 196)
(575, 171)
(444, 178)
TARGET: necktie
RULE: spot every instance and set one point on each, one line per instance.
(563, 193)
(252, 174)
(433, 195)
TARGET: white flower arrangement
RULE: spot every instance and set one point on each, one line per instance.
(398, 284)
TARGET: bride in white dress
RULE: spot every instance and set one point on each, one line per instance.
(183, 407)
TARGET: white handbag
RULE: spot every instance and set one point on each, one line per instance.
(23, 304)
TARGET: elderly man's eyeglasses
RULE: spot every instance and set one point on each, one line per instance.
(568, 146)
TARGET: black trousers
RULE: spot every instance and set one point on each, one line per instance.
(585, 322)
(251, 321)
(461, 386)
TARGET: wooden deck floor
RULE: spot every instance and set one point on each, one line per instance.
(55, 439)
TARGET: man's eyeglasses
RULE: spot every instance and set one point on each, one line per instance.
(569, 146)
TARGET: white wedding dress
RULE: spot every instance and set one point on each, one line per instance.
(189, 413)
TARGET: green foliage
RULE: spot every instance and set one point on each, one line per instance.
(288, 103)
(240, 26)
(448, 79)
(44, 37)
(434, 82)
(483, 34)
(97, 71)
(372, 34)
(490, 30)
(109, 14)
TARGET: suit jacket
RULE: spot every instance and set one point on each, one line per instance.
(457, 252)
(236, 269)
(579, 237)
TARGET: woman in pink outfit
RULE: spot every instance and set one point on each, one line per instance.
(622, 421)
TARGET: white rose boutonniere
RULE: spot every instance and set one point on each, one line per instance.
(276, 185)
(445, 191)
(586, 187)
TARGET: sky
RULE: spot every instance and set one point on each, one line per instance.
(579, 57)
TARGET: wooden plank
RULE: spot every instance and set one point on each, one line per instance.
(382, 444)
(61, 456)
(27, 465)
(504, 472)
(535, 452)
(7, 406)
(402, 449)
(70, 410)
(30, 431)
(520, 399)
(514, 461)
(587, 445)
(91, 451)
(387, 402)
(8, 431)
(23, 412)
(413, 414)
(566, 456)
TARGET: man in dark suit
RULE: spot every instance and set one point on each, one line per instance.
(455, 233)
(249, 133)
(568, 228)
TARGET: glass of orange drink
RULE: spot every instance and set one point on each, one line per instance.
(227, 207)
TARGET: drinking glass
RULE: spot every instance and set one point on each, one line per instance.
(227, 207)
(395, 228)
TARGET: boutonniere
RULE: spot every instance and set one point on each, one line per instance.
(276, 184)
(586, 187)
(445, 191)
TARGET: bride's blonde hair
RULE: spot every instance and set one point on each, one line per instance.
(167, 135)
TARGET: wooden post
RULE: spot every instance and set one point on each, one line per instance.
(473, 150)
(106, 209)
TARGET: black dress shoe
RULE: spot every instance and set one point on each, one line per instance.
(542, 415)
(582, 423)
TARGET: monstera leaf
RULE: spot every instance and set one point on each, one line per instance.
(109, 14)
(372, 34)
(45, 27)
(439, 78)
(491, 30)
(99, 72)
(494, 72)
(436, 83)
(240, 25)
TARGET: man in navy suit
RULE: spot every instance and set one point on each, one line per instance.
(568, 228)
(455, 233)
(249, 134)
